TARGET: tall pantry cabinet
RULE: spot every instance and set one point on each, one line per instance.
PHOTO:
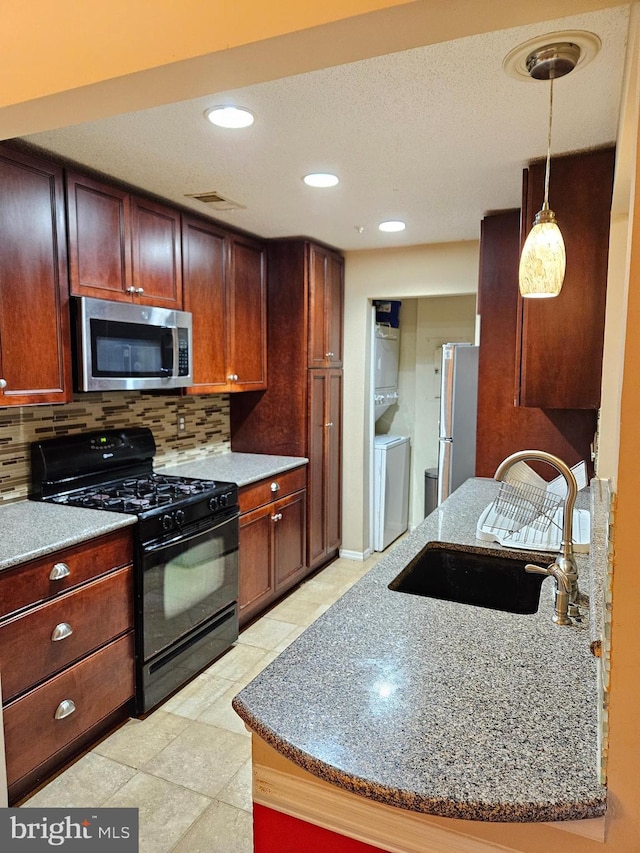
(300, 413)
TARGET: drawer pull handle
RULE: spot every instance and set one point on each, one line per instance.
(65, 709)
(59, 571)
(276, 517)
(61, 632)
(275, 487)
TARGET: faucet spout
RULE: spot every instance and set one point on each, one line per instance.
(565, 570)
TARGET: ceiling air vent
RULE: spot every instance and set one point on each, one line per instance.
(217, 201)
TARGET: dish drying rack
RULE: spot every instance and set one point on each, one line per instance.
(525, 515)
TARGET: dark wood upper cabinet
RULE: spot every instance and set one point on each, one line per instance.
(502, 427)
(225, 290)
(99, 239)
(122, 247)
(326, 298)
(156, 253)
(247, 311)
(204, 269)
(34, 318)
(560, 340)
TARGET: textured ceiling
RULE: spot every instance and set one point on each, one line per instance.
(435, 136)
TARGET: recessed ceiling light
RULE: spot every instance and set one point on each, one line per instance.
(392, 225)
(320, 179)
(230, 117)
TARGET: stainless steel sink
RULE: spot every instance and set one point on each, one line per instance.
(499, 583)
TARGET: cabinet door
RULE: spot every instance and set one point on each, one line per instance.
(335, 311)
(325, 307)
(35, 361)
(203, 260)
(247, 302)
(324, 473)
(157, 263)
(99, 239)
(255, 564)
(333, 462)
(561, 339)
(288, 519)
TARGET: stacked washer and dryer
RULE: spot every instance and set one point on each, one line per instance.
(391, 452)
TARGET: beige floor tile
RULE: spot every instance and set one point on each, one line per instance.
(221, 714)
(139, 740)
(265, 660)
(88, 782)
(239, 660)
(288, 640)
(166, 810)
(202, 758)
(266, 633)
(196, 696)
(221, 829)
(237, 792)
(298, 609)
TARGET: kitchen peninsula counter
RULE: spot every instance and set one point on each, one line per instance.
(437, 707)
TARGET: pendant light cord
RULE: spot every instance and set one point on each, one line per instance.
(546, 177)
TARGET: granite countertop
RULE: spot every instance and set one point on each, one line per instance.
(439, 707)
(240, 468)
(33, 529)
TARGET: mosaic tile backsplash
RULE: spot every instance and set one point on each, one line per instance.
(206, 432)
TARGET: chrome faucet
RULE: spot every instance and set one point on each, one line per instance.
(563, 570)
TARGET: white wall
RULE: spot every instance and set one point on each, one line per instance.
(447, 269)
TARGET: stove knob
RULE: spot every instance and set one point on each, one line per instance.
(180, 516)
(167, 522)
(213, 503)
(223, 500)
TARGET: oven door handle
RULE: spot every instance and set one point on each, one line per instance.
(208, 527)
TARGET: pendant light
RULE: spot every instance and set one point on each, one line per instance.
(543, 259)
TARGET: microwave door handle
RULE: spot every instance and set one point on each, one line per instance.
(169, 347)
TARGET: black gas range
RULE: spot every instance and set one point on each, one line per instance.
(186, 544)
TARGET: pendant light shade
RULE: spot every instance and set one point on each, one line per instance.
(543, 259)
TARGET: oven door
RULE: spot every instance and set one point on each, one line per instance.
(187, 580)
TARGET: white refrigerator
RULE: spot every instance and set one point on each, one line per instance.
(390, 488)
(458, 416)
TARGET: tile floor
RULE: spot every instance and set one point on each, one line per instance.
(187, 766)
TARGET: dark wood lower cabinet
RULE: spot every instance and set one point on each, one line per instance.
(50, 720)
(66, 655)
(272, 541)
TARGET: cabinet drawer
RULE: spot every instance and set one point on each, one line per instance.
(83, 620)
(30, 583)
(96, 686)
(260, 493)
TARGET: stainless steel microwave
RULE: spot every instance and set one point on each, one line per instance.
(123, 346)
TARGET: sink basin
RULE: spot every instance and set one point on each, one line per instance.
(499, 583)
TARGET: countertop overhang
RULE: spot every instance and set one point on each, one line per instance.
(438, 707)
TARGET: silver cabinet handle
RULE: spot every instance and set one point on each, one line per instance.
(59, 571)
(232, 377)
(61, 632)
(64, 709)
(328, 355)
(139, 289)
(276, 517)
(131, 289)
(275, 486)
(329, 424)
(3, 383)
